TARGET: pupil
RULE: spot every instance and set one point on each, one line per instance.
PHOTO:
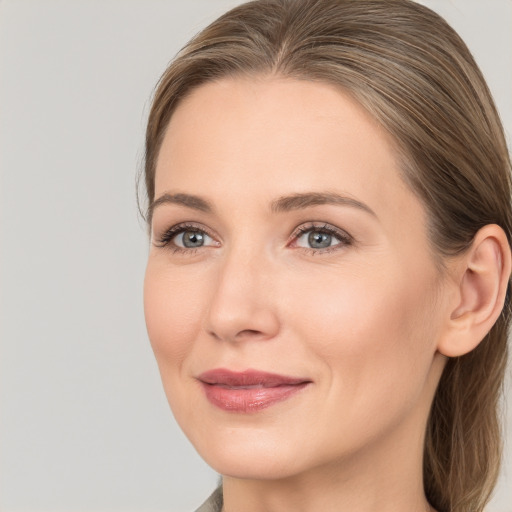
(192, 239)
(319, 240)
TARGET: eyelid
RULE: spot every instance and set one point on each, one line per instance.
(344, 238)
(165, 239)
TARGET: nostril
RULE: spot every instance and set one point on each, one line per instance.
(246, 334)
(249, 334)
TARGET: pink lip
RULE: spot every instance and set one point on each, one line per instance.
(248, 391)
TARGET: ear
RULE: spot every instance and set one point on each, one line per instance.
(480, 280)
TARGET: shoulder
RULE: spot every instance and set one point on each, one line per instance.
(213, 503)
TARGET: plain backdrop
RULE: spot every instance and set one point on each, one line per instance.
(85, 424)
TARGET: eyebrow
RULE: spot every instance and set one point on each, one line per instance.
(188, 200)
(297, 201)
(308, 199)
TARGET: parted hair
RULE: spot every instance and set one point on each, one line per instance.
(412, 72)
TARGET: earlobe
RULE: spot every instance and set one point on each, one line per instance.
(482, 276)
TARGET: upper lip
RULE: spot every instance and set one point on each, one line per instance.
(225, 377)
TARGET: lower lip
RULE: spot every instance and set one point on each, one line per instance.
(249, 400)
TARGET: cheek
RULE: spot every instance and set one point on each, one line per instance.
(374, 334)
(172, 311)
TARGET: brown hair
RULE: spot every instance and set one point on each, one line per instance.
(414, 74)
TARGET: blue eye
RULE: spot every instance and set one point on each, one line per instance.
(321, 238)
(190, 239)
(318, 240)
(185, 237)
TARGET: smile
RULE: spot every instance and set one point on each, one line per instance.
(248, 391)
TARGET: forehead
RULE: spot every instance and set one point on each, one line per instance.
(240, 139)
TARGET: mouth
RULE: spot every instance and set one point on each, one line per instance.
(250, 390)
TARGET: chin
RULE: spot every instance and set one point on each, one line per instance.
(249, 458)
(251, 468)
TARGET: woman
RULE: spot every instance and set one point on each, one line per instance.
(326, 290)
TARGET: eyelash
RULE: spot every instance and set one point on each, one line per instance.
(345, 239)
(166, 238)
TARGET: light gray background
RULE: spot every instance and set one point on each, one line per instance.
(85, 425)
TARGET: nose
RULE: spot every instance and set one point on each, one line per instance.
(243, 301)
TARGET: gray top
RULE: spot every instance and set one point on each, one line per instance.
(213, 503)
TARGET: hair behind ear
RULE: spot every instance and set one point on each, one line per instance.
(465, 420)
(465, 423)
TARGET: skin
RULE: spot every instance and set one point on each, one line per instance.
(362, 319)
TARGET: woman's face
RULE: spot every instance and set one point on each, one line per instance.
(291, 298)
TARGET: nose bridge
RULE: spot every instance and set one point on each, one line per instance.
(241, 305)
